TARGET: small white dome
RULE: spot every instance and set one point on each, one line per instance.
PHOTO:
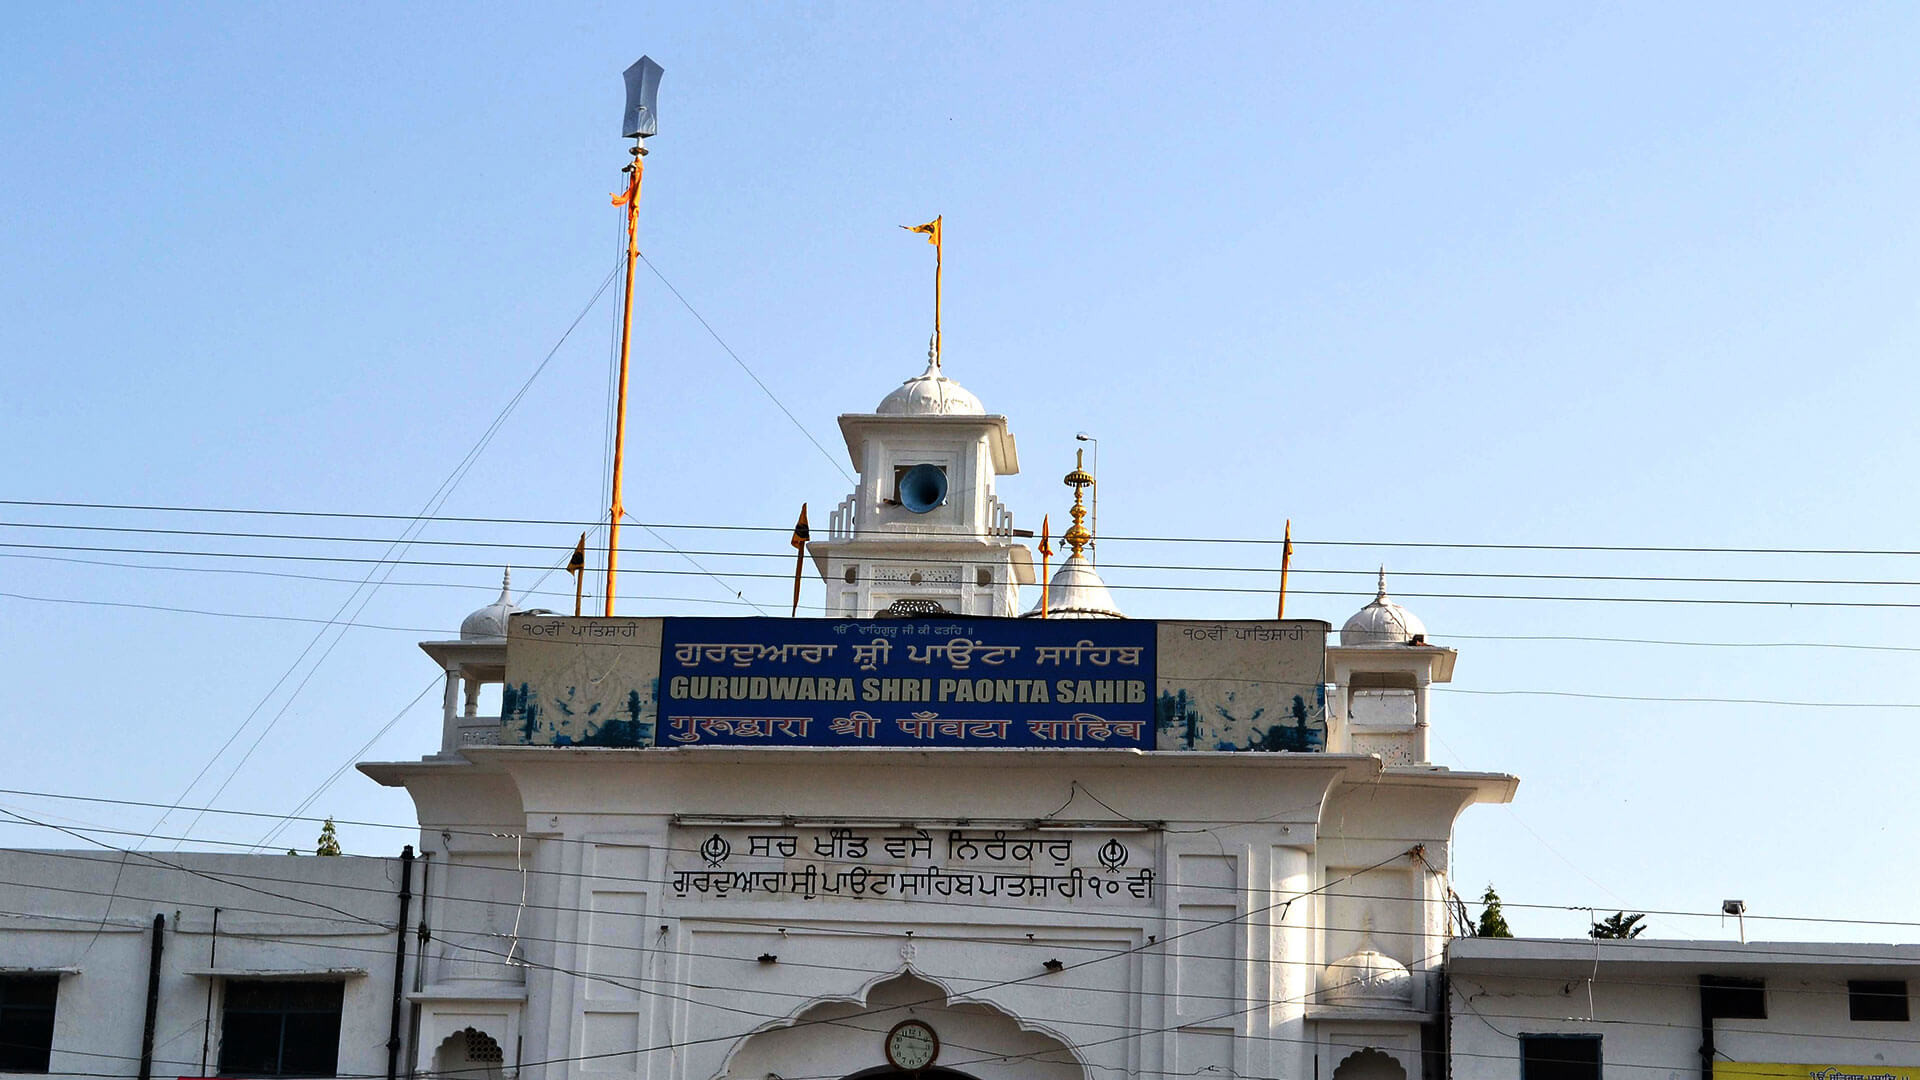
(1077, 593)
(1382, 622)
(930, 393)
(490, 622)
(1367, 977)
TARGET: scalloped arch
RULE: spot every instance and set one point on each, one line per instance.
(939, 996)
(469, 1053)
(1368, 1063)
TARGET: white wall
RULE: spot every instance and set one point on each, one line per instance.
(277, 913)
(1643, 999)
(628, 975)
(1648, 1032)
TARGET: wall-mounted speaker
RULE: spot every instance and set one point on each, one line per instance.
(923, 487)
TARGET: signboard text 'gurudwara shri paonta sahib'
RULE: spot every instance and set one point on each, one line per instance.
(943, 682)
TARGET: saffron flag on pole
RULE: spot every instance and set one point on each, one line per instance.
(1046, 554)
(801, 534)
(1286, 560)
(577, 565)
(931, 228)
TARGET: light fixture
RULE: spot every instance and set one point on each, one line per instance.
(1054, 965)
(769, 958)
(1736, 908)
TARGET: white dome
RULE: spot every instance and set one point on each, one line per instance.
(490, 622)
(1368, 977)
(1382, 622)
(930, 393)
(1077, 593)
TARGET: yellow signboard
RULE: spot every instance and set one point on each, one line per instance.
(1749, 1070)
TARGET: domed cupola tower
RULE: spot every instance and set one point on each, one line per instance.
(923, 532)
(476, 659)
(1382, 670)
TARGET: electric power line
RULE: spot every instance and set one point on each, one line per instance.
(530, 592)
(1145, 587)
(1163, 539)
(1268, 571)
(1276, 817)
(711, 332)
(434, 503)
(1652, 698)
(842, 1021)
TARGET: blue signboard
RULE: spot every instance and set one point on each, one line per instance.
(906, 682)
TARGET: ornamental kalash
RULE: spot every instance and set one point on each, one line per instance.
(936, 835)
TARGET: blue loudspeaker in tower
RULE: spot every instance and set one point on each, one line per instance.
(923, 488)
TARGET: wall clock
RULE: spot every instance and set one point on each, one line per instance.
(912, 1046)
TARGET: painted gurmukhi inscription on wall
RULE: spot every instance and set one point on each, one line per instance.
(961, 866)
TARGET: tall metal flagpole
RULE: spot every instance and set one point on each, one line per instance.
(630, 198)
(637, 123)
(932, 230)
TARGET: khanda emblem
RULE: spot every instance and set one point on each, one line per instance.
(716, 850)
(1112, 855)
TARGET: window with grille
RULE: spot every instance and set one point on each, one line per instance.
(26, 1021)
(280, 1028)
(481, 1048)
(1724, 997)
(1559, 1057)
(1877, 999)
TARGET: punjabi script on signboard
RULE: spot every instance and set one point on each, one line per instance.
(920, 864)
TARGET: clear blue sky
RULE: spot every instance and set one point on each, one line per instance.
(1525, 274)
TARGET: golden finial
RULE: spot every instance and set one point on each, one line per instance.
(1077, 536)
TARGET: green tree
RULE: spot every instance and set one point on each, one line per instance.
(329, 843)
(1619, 925)
(1493, 923)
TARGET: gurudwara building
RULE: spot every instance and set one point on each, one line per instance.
(935, 834)
(932, 835)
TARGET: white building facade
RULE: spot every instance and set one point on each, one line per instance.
(680, 899)
(1156, 849)
(1271, 910)
(194, 964)
(1682, 1010)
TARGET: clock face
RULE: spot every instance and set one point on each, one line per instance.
(912, 1045)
